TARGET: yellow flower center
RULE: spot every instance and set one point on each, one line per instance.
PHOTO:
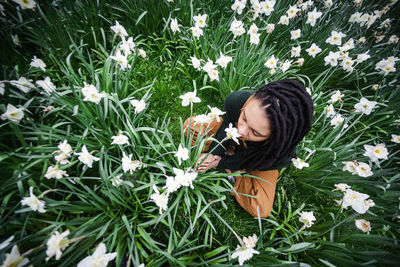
(14, 114)
(377, 151)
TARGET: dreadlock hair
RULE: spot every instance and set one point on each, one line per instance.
(289, 109)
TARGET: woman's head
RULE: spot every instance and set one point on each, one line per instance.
(287, 112)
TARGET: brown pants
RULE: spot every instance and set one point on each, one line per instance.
(262, 189)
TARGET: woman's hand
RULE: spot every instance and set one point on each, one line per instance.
(230, 151)
(210, 161)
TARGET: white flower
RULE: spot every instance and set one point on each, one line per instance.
(119, 30)
(172, 184)
(347, 64)
(99, 258)
(267, 6)
(308, 90)
(312, 17)
(55, 172)
(328, 3)
(244, 253)
(365, 106)
(56, 244)
(202, 118)
(117, 181)
(38, 63)
(313, 50)
(295, 34)
(13, 257)
(341, 187)
(362, 57)
(286, 65)
(13, 114)
(161, 200)
(86, 158)
(189, 98)
(335, 38)
(215, 113)
(271, 62)
(141, 53)
(213, 74)
(33, 202)
(64, 147)
(363, 225)
(196, 63)
(121, 60)
(295, 52)
(376, 152)
(337, 120)
(337, 96)
(200, 20)
(253, 29)
(395, 138)
(182, 153)
(2, 86)
(300, 163)
(139, 105)
(393, 39)
(232, 133)
(270, 28)
(355, 200)
(209, 66)
(292, 11)
(92, 94)
(238, 6)
(6, 242)
(363, 169)
(332, 58)
(251, 241)
(174, 26)
(255, 38)
(223, 60)
(185, 178)
(120, 139)
(307, 217)
(386, 66)
(47, 85)
(130, 165)
(23, 84)
(330, 110)
(350, 166)
(26, 4)
(237, 28)
(284, 20)
(197, 31)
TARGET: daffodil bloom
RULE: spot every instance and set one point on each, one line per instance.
(120, 139)
(47, 85)
(255, 38)
(202, 118)
(86, 158)
(200, 20)
(56, 244)
(267, 7)
(13, 114)
(355, 200)
(271, 63)
(174, 25)
(92, 94)
(295, 52)
(185, 178)
(232, 133)
(284, 20)
(286, 65)
(376, 152)
(313, 16)
(23, 84)
(341, 187)
(130, 165)
(238, 6)
(270, 28)
(292, 11)
(332, 58)
(253, 29)
(196, 31)
(335, 38)
(196, 63)
(223, 60)
(139, 105)
(99, 258)
(6, 242)
(119, 30)
(395, 138)
(295, 34)
(338, 120)
(38, 63)
(313, 50)
(307, 217)
(362, 57)
(363, 225)
(33, 202)
(330, 110)
(182, 154)
(215, 113)
(26, 4)
(337, 96)
(172, 184)
(161, 200)
(246, 250)
(142, 53)
(189, 98)
(363, 169)
(55, 172)
(365, 106)
(122, 60)
(14, 258)
(299, 163)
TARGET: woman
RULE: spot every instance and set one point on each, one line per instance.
(271, 122)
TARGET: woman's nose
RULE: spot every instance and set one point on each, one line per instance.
(242, 130)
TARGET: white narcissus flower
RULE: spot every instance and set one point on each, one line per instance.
(2, 87)
(38, 63)
(200, 20)
(33, 202)
(196, 31)
(255, 38)
(47, 85)
(182, 153)
(363, 169)
(356, 200)
(23, 84)
(337, 96)
(139, 105)
(209, 66)
(295, 34)
(91, 93)
(237, 28)
(223, 60)
(202, 118)
(292, 11)
(119, 30)
(55, 172)
(65, 148)
(365, 106)
(295, 52)
(362, 57)
(376, 152)
(300, 163)
(6, 242)
(270, 28)
(56, 244)
(161, 200)
(130, 165)
(335, 38)
(284, 20)
(363, 225)
(332, 58)
(250, 241)
(347, 64)
(174, 26)
(350, 166)
(121, 60)
(337, 120)
(313, 50)
(312, 17)
(253, 29)
(395, 138)
(307, 217)
(64, 152)
(246, 250)
(120, 139)
(99, 258)
(267, 7)
(232, 133)
(172, 184)
(117, 181)
(13, 257)
(238, 6)
(86, 158)
(393, 39)
(386, 66)
(141, 53)
(271, 62)
(341, 187)
(185, 178)
(26, 4)
(13, 114)
(215, 113)
(347, 46)
(330, 110)
(286, 65)
(196, 63)
(213, 74)
(189, 98)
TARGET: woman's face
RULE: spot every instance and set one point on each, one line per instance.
(253, 124)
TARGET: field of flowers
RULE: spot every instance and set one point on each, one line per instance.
(96, 168)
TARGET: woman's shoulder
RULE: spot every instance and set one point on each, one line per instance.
(236, 99)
